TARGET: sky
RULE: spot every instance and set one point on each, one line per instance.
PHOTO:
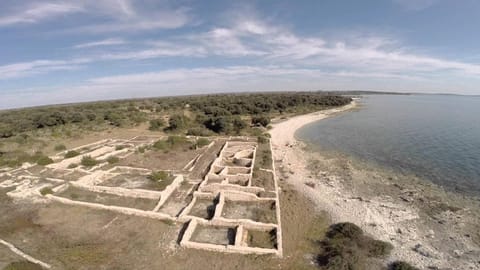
(71, 51)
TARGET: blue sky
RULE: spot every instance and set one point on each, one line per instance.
(68, 51)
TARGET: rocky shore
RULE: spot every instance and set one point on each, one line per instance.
(429, 227)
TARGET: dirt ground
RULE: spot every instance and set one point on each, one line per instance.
(73, 237)
(173, 160)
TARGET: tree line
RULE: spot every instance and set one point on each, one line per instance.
(220, 113)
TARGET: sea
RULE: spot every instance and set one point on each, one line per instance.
(434, 137)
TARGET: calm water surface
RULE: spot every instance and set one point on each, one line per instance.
(436, 137)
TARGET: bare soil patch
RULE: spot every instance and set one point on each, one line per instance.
(214, 235)
(204, 208)
(77, 194)
(258, 211)
(262, 239)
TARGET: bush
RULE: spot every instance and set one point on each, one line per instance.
(72, 165)
(71, 153)
(156, 124)
(60, 147)
(120, 147)
(217, 124)
(201, 142)
(142, 149)
(346, 247)
(23, 265)
(260, 120)
(46, 190)
(262, 139)
(113, 160)
(171, 142)
(44, 160)
(177, 122)
(400, 265)
(238, 124)
(88, 161)
(199, 132)
(158, 176)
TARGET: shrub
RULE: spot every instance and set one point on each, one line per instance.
(156, 124)
(60, 147)
(346, 247)
(262, 139)
(159, 145)
(72, 165)
(199, 132)
(46, 190)
(158, 176)
(88, 161)
(217, 124)
(201, 142)
(176, 140)
(400, 265)
(120, 147)
(177, 122)
(261, 120)
(113, 160)
(44, 160)
(238, 124)
(71, 153)
(22, 265)
(142, 149)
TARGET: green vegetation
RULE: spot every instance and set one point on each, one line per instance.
(399, 265)
(201, 142)
(46, 190)
(17, 158)
(72, 165)
(120, 147)
(172, 142)
(44, 160)
(156, 124)
(113, 160)
(160, 179)
(22, 265)
(71, 153)
(158, 176)
(177, 122)
(346, 247)
(215, 112)
(228, 114)
(260, 120)
(263, 157)
(60, 147)
(88, 161)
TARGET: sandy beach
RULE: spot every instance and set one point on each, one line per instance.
(428, 226)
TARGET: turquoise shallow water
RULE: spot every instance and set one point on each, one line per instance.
(435, 137)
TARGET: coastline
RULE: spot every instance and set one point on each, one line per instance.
(427, 226)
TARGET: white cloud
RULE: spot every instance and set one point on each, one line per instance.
(128, 16)
(23, 69)
(39, 12)
(415, 5)
(102, 16)
(155, 53)
(99, 43)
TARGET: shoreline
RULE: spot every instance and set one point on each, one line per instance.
(428, 226)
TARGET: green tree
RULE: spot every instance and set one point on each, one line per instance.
(261, 120)
(156, 124)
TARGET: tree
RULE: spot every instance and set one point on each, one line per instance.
(217, 124)
(238, 124)
(176, 121)
(261, 120)
(156, 124)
